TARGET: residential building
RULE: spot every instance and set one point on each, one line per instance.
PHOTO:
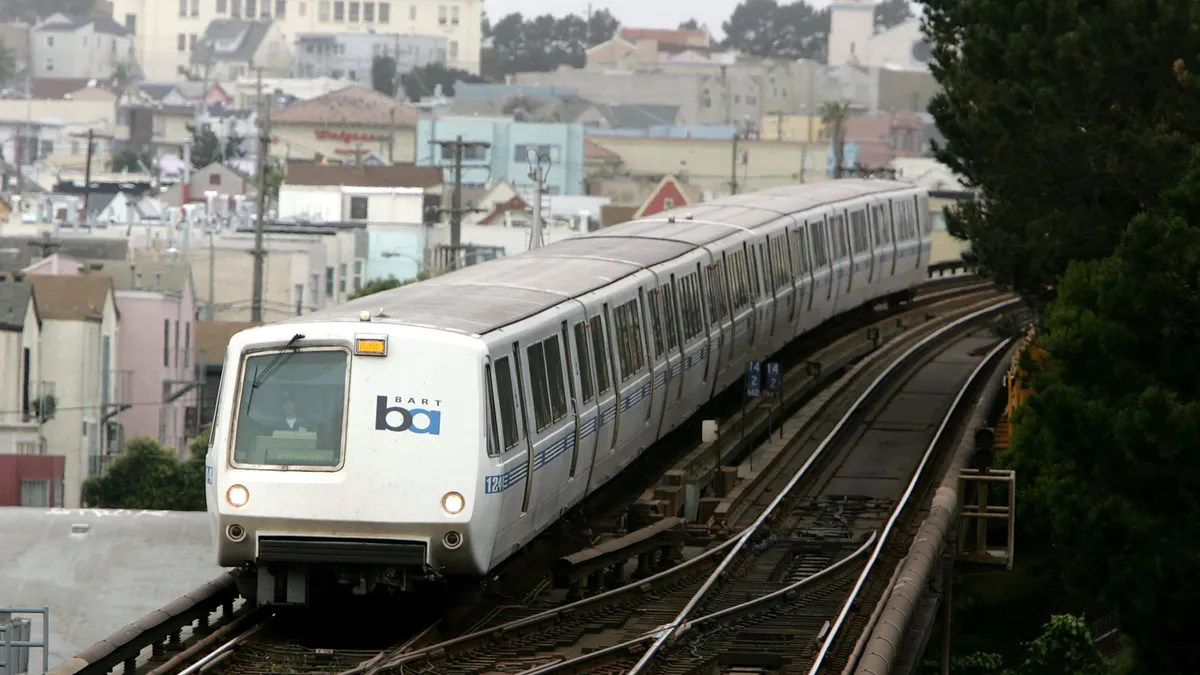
(400, 194)
(212, 340)
(157, 351)
(882, 137)
(80, 311)
(305, 269)
(507, 158)
(157, 23)
(125, 208)
(352, 55)
(245, 90)
(233, 48)
(214, 178)
(854, 40)
(21, 389)
(344, 124)
(81, 46)
(632, 48)
(25, 250)
(53, 123)
(705, 163)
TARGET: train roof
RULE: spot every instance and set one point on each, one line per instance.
(485, 297)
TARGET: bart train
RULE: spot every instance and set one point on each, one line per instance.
(433, 430)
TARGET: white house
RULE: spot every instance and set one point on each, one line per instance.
(232, 48)
(79, 320)
(20, 376)
(380, 195)
(80, 47)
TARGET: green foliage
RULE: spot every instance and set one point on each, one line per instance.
(1067, 121)
(132, 160)
(1064, 647)
(788, 31)
(148, 476)
(517, 44)
(420, 82)
(275, 175)
(206, 147)
(1105, 451)
(234, 147)
(979, 663)
(387, 284)
(383, 75)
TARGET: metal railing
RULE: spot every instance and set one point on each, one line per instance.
(15, 640)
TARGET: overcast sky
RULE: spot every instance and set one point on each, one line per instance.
(638, 13)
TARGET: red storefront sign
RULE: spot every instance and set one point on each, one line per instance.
(348, 136)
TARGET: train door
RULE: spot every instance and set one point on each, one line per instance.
(509, 483)
(666, 335)
(582, 392)
(599, 432)
(655, 357)
(737, 274)
(803, 281)
(818, 235)
(921, 222)
(694, 337)
(633, 375)
(767, 255)
(766, 298)
(717, 292)
(860, 254)
(872, 242)
(889, 214)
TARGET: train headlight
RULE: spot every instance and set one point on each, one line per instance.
(237, 495)
(453, 503)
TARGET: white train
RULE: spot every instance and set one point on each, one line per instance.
(435, 429)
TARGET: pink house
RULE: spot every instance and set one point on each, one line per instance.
(157, 303)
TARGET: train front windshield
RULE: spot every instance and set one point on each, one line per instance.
(291, 412)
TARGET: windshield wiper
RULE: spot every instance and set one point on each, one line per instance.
(259, 378)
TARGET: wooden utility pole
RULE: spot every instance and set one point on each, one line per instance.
(264, 147)
(91, 137)
(733, 181)
(456, 211)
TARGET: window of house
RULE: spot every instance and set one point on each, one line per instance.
(49, 65)
(369, 12)
(359, 269)
(47, 148)
(323, 11)
(521, 153)
(131, 22)
(329, 272)
(339, 11)
(183, 7)
(454, 15)
(192, 42)
(385, 12)
(50, 39)
(252, 8)
(358, 208)
(35, 493)
(195, 7)
(354, 12)
(303, 8)
(315, 290)
(342, 274)
(454, 49)
(222, 6)
(668, 203)
(181, 42)
(214, 179)
(235, 8)
(442, 14)
(280, 9)
(166, 342)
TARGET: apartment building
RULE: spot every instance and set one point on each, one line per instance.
(80, 47)
(352, 55)
(158, 23)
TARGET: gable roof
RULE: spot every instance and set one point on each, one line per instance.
(14, 303)
(631, 116)
(514, 203)
(85, 247)
(79, 298)
(668, 188)
(355, 105)
(157, 90)
(396, 175)
(212, 338)
(667, 36)
(243, 38)
(68, 24)
(593, 150)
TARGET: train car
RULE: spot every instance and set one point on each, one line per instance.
(433, 430)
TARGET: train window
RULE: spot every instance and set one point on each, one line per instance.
(693, 313)
(837, 225)
(493, 439)
(629, 341)
(292, 407)
(600, 354)
(546, 382)
(716, 293)
(735, 275)
(508, 407)
(752, 271)
(820, 252)
(799, 251)
(566, 346)
(582, 348)
(667, 296)
(782, 270)
(858, 231)
(656, 323)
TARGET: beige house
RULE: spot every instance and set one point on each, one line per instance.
(343, 123)
(20, 358)
(215, 177)
(232, 48)
(632, 48)
(705, 164)
(80, 46)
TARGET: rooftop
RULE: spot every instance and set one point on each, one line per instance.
(14, 301)
(396, 175)
(152, 276)
(62, 298)
(355, 105)
(234, 40)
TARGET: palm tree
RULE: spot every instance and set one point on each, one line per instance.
(833, 116)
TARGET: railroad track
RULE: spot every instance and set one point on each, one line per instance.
(211, 629)
(809, 548)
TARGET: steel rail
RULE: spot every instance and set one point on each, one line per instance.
(908, 492)
(671, 629)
